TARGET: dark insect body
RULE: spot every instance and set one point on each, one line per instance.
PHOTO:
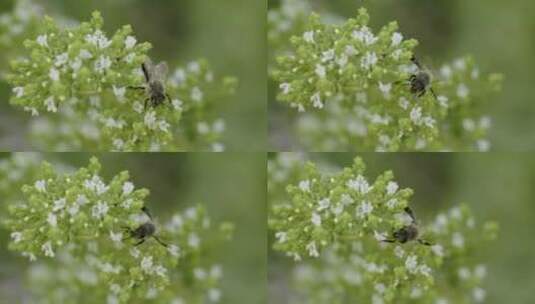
(144, 231)
(408, 233)
(155, 77)
(420, 81)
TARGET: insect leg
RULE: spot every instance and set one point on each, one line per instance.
(159, 241)
(433, 93)
(145, 104)
(145, 72)
(146, 211)
(389, 241)
(136, 87)
(416, 62)
(140, 242)
(408, 210)
(424, 242)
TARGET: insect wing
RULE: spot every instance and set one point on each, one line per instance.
(148, 69)
(160, 72)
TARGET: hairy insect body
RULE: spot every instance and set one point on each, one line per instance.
(156, 91)
(408, 232)
(145, 230)
(419, 83)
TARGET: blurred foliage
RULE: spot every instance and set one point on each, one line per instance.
(179, 32)
(495, 186)
(498, 34)
(176, 181)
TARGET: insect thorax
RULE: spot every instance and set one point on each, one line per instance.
(157, 91)
(407, 233)
(144, 230)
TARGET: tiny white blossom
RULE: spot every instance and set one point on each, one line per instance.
(146, 264)
(459, 64)
(218, 147)
(196, 94)
(102, 63)
(51, 104)
(203, 127)
(116, 237)
(404, 103)
(312, 250)
(309, 36)
(174, 250)
(118, 143)
(320, 71)
(219, 126)
(130, 42)
(85, 54)
(396, 39)
(150, 120)
(443, 101)
(47, 249)
(81, 199)
(399, 252)
(54, 74)
(457, 240)
(385, 89)
(73, 210)
(364, 209)
(16, 236)
(411, 263)
(462, 91)
(342, 60)
(119, 92)
(42, 40)
(177, 104)
(134, 252)
(281, 236)
(19, 91)
(128, 187)
(304, 185)
(160, 270)
(483, 145)
(380, 288)
(350, 50)
(469, 124)
(316, 219)
(40, 185)
(392, 203)
(416, 115)
(365, 36)
(480, 271)
(359, 184)
(346, 200)
(59, 204)
(193, 240)
(438, 250)
(327, 55)
(61, 59)
(445, 71)
(76, 64)
(368, 60)
(463, 273)
(324, 204)
(379, 236)
(52, 219)
(100, 210)
(479, 294)
(316, 101)
(425, 270)
(285, 87)
(214, 295)
(391, 188)
(98, 39)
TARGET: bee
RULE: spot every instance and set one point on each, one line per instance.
(408, 233)
(420, 81)
(155, 77)
(144, 231)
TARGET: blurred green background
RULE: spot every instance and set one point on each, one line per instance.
(231, 186)
(499, 34)
(497, 186)
(230, 34)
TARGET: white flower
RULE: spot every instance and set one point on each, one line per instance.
(316, 101)
(218, 147)
(368, 60)
(429, 121)
(61, 59)
(285, 87)
(42, 40)
(146, 264)
(194, 67)
(73, 210)
(342, 60)
(95, 184)
(404, 103)
(19, 91)
(116, 237)
(98, 39)
(102, 63)
(203, 127)
(85, 54)
(396, 39)
(479, 294)
(52, 219)
(416, 115)
(128, 187)
(130, 42)
(380, 288)
(483, 145)
(40, 185)
(194, 241)
(425, 270)
(350, 50)
(399, 252)
(457, 240)
(396, 54)
(327, 55)
(480, 271)
(320, 71)
(119, 92)
(281, 236)
(463, 273)
(160, 270)
(438, 250)
(47, 249)
(392, 203)
(365, 36)
(385, 89)
(134, 252)
(100, 210)
(443, 101)
(391, 188)
(445, 71)
(316, 219)
(150, 120)
(200, 274)
(76, 64)
(469, 124)
(346, 200)
(16, 236)
(309, 36)
(312, 250)
(462, 91)
(81, 199)
(219, 126)
(214, 295)
(174, 250)
(304, 185)
(196, 94)
(118, 143)
(364, 209)
(177, 104)
(359, 184)
(379, 236)
(50, 104)
(411, 263)
(324, 204)
(459, 64)
(54, 74)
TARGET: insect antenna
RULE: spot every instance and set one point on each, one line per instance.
(147, 212)
(160, 241)
(424, 242)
